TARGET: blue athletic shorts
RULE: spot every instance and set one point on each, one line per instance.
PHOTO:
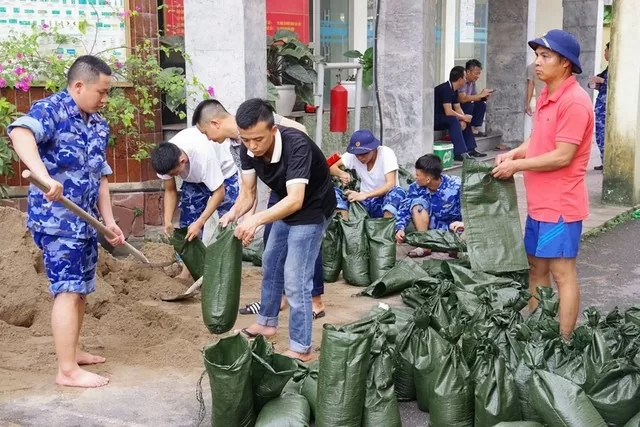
(70, 263)
(552, 239)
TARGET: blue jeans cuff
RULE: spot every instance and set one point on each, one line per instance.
(267, 321)
(299, 348)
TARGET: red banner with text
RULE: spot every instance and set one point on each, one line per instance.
(288, 15)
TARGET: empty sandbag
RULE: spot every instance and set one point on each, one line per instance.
(288, 410)
(559, 402)
(253, 252)
(228, 364)
(192, 253)
(402, 276)
(220, 291)
(382, 246)
(269, 373)
(437, 241)
(344, 362)
(332, 250)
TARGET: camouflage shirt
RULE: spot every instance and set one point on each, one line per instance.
(442, 205)
(74, 153)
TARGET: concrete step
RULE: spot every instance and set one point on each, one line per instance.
(456, 169)
(489, 142)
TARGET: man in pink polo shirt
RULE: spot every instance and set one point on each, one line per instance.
(554, 161)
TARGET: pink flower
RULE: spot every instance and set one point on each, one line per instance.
(45, 26)
(19, 55)
(3, 82)
(24, 84)
(19, 70)
(211, 91)
(124, 14)
(118, 65)
(138, 9)
(59, 56)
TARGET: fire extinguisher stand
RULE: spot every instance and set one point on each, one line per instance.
(319, 96)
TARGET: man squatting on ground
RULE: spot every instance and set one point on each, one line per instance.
(293, 166)
(432, 202)
(554, 161)
(63, 140)
(376, 167)
(220, 126)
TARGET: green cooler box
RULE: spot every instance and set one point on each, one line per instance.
(444, 150)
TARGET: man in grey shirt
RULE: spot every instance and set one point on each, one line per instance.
(471, 101)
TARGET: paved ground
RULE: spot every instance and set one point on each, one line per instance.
(609, 277)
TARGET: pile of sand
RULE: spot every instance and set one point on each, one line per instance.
(124, 317)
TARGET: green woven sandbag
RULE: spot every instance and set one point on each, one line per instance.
(192, 253)
(220, 291)
(228, 364)
(332, 250)
(382, 246)
(288, 410)
(269, 373)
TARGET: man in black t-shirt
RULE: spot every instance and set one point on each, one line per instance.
(449, 116)
(295, 169)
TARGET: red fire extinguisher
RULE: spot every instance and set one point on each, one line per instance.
(338, 118)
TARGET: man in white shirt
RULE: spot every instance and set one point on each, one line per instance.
(377, 168)
(209, 179)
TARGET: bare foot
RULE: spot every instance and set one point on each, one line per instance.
(303, 357)
(84, 358)
(78, 377)
(256, 329)
(317, 304)
(283, 303)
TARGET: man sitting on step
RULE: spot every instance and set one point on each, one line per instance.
(472, 102)
(448, 115)
(432, 202)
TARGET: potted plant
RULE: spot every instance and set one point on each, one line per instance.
(290, 71)
(366, 59)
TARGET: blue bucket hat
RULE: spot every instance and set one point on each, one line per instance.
(563, 43)
(362, 142)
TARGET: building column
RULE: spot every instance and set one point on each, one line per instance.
(580, 18)
(405, 69)
(226, 42)
(506, 68)
(621, 183)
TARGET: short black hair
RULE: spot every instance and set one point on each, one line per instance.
(165, 157)
(87, 68)
(206, 110)
(456, 73)
(430, 164)
(253, 111)
(473, 63)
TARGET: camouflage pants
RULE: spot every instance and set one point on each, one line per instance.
(194, 198)
(376, 206)
(70, 263)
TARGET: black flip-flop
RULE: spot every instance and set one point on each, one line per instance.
(318, 315)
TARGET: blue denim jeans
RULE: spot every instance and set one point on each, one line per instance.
(288, 265)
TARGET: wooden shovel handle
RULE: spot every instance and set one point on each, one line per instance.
(38, 182)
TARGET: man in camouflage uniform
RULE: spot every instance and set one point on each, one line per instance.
(599, 83)
(432, 202)
(376, 167)
(63, 139)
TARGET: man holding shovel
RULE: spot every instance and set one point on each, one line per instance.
(293, 166)
(63, 140)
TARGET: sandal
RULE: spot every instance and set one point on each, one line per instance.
(253, 308)
(246, 333)
(419, 253)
